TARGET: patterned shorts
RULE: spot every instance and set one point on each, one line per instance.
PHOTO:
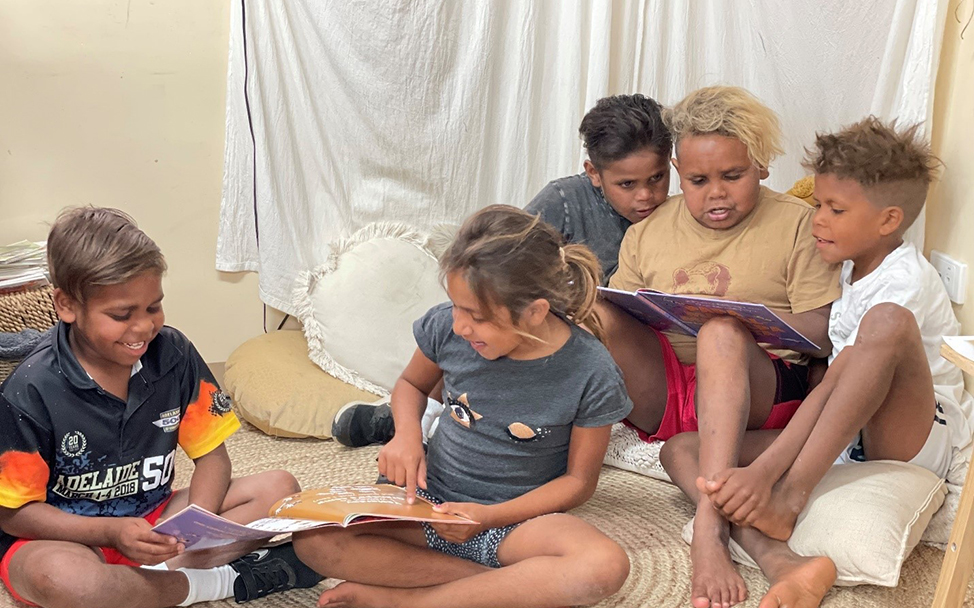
(481, 549)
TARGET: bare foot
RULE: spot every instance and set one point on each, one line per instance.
(778, 517)
(739, 493)
(715, 582)
(802, 586)
(355, 595)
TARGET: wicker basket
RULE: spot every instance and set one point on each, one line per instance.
(32, 308)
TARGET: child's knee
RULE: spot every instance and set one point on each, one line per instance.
(278, 483)
(608, 568)
(678, 448)
(724, 330)
(891, 325)
(58, 579)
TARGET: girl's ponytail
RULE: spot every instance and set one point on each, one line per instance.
(585, 274)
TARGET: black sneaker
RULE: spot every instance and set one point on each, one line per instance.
(360, 423)
(270, 570)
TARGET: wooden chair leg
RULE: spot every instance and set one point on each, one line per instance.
(959, 559)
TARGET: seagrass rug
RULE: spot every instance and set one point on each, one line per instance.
(644, 515)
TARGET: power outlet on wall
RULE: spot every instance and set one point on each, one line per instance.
(952, 273)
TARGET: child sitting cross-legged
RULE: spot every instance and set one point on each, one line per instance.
(887, 394)
(89, 425)
(725, 237)
(531, 399)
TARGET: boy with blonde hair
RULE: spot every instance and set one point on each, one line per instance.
(89, 425)
(725, 237)
(888, 394)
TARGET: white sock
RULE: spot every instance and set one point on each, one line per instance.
(431, 417)
(208, 585)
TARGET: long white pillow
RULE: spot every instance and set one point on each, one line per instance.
(867, 517)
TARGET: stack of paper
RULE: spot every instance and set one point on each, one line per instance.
(23, 265)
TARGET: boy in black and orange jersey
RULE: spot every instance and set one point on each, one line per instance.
(89, 425)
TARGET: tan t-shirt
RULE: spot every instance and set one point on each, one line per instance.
(769, 258)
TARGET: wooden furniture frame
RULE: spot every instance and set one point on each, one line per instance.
(959, 559)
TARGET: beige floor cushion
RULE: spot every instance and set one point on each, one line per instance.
(280, 391)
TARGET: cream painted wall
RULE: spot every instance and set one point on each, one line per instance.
(122, 104)
(950, 206)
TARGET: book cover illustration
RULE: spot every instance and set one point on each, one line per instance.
(348, 504)
(687, 314)
(645, 310)
(198, 528)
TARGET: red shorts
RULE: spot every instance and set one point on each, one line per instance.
(680, 415)
(111, 556)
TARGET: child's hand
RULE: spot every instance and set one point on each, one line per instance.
(459, 533)
(133, 537)
(740, 495)
(403, 462)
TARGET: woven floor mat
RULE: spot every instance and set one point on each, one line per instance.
(644, 515)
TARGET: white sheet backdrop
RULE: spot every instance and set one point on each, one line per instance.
(426, 110)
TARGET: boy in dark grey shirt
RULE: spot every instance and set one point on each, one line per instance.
(627, 176)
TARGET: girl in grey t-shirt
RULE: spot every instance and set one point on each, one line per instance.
(530, 398)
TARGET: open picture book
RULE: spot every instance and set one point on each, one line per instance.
(686, 315)
(344, 506)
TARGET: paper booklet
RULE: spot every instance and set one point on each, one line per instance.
(686, 315)
(344, 506)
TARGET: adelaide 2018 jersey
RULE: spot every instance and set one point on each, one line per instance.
(67, 442)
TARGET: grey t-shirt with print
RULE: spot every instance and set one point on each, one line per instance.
(580, 212)
(507, 424)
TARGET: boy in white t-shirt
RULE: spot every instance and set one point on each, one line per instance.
(887, 395)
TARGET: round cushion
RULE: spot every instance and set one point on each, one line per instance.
(358, 307)
(280, 391)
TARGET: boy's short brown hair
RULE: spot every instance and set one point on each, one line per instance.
(894, 166)
(91, 247)
(730, 112)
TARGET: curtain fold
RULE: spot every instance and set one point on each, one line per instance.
(424, 111)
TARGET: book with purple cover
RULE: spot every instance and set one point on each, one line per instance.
(344, 506)
(686, 315)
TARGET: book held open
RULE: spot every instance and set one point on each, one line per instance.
(686, 314)
(344, 506)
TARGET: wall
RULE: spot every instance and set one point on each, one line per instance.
(950, 206)
(122, 104)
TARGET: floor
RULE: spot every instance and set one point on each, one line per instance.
(644, 515)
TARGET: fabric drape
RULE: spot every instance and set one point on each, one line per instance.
(424, 111)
